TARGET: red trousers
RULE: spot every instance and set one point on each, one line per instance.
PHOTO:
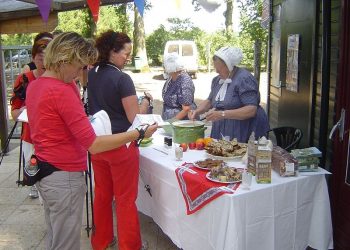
(116, 174)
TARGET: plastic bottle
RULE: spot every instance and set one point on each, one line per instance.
(33, 166)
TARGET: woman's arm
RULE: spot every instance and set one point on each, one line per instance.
(109, 142)
(183, 113)
(16, 112)
(203, 107)
(242, 113)
(26, 69)
(131, 107)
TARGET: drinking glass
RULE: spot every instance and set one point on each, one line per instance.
(178, 153)
(246, 180)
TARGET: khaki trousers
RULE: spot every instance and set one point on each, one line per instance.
(63, 198)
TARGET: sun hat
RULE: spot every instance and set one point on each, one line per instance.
(232, 56)
(173, 63)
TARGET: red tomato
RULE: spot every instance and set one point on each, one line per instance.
(192, 145)
(184, 147)
(200, 145)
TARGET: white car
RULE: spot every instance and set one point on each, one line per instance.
(22, 55)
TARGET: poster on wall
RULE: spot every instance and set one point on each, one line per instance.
(292, 62)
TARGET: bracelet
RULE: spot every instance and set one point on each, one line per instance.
(142, 131)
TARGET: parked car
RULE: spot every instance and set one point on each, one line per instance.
(188, 51)
(23, 55)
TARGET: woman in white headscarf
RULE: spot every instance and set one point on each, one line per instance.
(233, 103)
(178, 90)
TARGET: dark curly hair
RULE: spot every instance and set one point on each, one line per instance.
(110, 40)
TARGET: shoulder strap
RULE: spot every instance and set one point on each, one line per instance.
(19, 92)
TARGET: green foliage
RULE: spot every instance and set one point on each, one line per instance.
(17, 39)
(155, 44)
(251, 11)
(111, 17)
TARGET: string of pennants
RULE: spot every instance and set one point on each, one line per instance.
(94, 5)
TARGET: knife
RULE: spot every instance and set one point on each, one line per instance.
(163, 152)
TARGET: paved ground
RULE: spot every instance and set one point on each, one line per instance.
(22, 219)
(22, 224)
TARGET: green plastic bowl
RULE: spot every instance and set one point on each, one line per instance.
(168, 129)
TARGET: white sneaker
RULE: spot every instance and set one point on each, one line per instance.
(33, 193)
(144, 245)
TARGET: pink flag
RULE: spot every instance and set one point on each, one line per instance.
(44, 8)
(94, 6)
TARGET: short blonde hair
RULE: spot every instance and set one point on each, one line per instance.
(69, 47)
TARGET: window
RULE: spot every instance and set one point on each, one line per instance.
(173, 48)
(187, 50)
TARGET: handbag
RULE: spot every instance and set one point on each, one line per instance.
(35, 170)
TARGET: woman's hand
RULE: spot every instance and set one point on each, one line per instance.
(192, 114)
(148, 96)
(150, 130)
(214, 115)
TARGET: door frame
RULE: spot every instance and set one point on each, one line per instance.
(339, 190)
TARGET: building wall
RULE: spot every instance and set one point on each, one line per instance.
(302, 109)
(334, 39)
(289, 108)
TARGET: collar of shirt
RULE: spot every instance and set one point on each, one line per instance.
(227, 81)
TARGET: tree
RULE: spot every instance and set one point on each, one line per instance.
(228, 16)
(140, 41)
(110, 17)
(155, 43)
(251, 11)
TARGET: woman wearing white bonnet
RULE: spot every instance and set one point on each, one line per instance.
(178, 90)
(233, 102)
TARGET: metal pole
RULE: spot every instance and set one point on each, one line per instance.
(7, 142)
(3, 105)
(91, 191)
(87, 206)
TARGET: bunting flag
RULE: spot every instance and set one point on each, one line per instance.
(140, 5)
(210, 5)
(94, 6)
(44, 8)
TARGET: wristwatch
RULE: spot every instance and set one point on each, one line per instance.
(223, 113)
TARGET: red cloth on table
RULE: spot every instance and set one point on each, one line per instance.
(197, 190)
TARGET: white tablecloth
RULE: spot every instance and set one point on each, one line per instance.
(290, 213)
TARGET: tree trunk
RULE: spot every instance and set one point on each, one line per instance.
(139, 41)
(257, 60)
(228, 16)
